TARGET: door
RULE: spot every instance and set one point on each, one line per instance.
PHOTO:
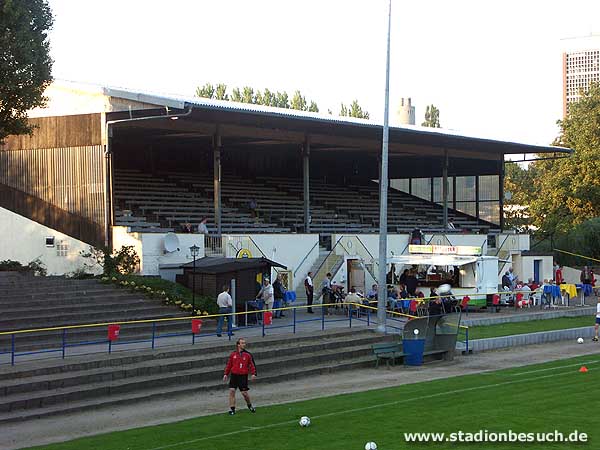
(537, 266)
(356, 275)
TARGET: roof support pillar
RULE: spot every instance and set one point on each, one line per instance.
(216, 144)
(445, 189)
(306, 182)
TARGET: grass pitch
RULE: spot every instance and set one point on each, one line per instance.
(530, 326)
(537, 398)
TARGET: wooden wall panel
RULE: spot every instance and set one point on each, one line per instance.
(59, 131)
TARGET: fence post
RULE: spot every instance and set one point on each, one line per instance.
(153, 333)
(350, 315)
(263, 324)
(467, 340)
(12, 350)
(322, 318)
(64, 338)
(294, 320)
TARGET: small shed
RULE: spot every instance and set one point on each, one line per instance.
(211, 273)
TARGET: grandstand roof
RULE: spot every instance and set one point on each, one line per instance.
(291, 125)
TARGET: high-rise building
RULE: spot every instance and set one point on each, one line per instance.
(581, 66)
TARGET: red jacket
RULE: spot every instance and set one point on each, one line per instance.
(240, 363)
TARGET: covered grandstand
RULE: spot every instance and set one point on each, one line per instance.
(105, 157)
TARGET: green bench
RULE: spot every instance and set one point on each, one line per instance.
(388, 351)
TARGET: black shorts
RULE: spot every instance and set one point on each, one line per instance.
(238, 381)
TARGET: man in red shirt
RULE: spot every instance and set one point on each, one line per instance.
(239, 365)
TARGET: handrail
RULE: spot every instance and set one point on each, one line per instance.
(305, 257)
(327, 257)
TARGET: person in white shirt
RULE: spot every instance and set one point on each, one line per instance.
(595, 339)
(202, 228)
(267, 294)
(224, 302)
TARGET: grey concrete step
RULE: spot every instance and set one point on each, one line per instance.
(168, 392)
(313, 354)
(18, 295)
(177, 370)
(40, 306)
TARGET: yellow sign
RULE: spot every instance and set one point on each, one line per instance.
(445, 249)
(244, 253)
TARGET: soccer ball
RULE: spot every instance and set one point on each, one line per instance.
(370, 446)
(580, 340)
(304, 421)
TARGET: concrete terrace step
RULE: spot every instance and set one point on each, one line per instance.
(36, 368)
(152, 369)
(84, 316)
(169, 392)
(115, 298)
(173, 371)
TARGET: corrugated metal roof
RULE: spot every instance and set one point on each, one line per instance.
(182, 101)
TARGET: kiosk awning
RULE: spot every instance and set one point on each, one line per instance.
(432, 260)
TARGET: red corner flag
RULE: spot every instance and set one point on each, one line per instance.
(583, 369)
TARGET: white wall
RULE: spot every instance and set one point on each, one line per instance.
(150, 248)
(24, 240)
(287, 249)
(526, 267)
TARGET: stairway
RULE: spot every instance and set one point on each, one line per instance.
(324, 263)
(28, 302)
(52, 387)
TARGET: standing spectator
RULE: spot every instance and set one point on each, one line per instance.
(513, 278)
(586, 278)
(279, 293)
(595, 339)
(558, 276)
(310, 291)
(239, 365)
(266, 293)
(506, 280)
(202, 228)
(224, 302)
(411, 283)
(326, 288)
(402, 279)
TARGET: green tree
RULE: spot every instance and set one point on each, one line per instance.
(432, 117)
(221, 92)
(248, 95)
(298, 102)
(282, 100)
(313, 107)
(518, 190)
(567, 190)
(354, 110)
(236, 95)
(206, 91)
(25, 63)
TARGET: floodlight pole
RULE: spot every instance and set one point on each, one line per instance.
(383, 191)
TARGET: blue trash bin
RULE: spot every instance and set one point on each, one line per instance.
(414, 349)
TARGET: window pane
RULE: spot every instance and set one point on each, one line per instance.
(421, 187)
(466, 207)
(465, 189)
(400, 184)
(489, 188)
(438, 194)
(490, 211)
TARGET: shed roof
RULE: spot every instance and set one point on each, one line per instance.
(211, 264)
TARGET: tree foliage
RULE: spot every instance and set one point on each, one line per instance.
(249, 95)
(518, 190)
(567, 191)
(25, 63)
(354, 110)
(432, 117)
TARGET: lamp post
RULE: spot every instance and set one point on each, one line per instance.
(194, 249)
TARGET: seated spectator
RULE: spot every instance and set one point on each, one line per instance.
(252, 206)
(187, 227)
(372, 294)
(202, 228)
(353, 297)
(393, 299)
(436, 307)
